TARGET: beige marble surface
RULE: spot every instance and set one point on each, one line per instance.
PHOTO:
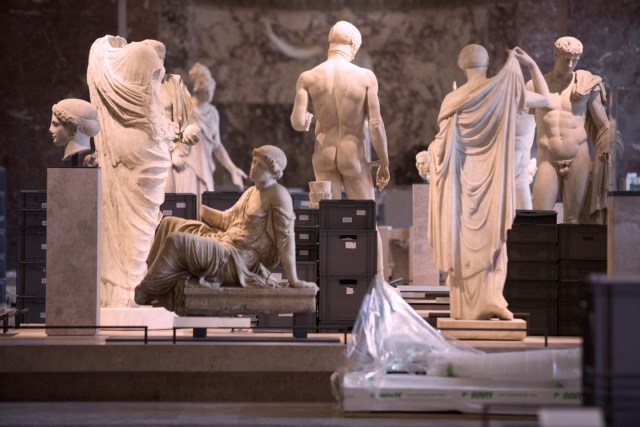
(73, 248)
(423, 270)
(475, 327)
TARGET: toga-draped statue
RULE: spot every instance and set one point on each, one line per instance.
(472, 191)
(133, 150)
(231, 248)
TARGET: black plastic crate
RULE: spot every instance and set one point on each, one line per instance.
(32, 279)
(306, 217)
(32, 218)
(357, 215)
(285, 320)
(545, 271)
(350, 253)
(573, 289)
(182, 205)
(33, 199)
(570, 326)
(306, 270)
(3, 241)
(335, 326)
(306, 235)
(533, 233)
(535, 217)
(300, 199)
(3, 180)
(3, 269)
(532, 252)
(220, 200)
(534, 289)
(571, 307)
(542, 314)
(36, 306)
(32, 244)
(307, 252)
(3, 203)
(579, 270)
(340, 297)
(582, 242)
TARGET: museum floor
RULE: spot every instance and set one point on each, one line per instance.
(114, 378)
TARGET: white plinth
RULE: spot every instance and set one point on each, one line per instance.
(211, 322)
(151, 317)
(474, 329)
(73, 249)
(423, 270)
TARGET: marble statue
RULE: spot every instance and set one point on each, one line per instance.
(422, 164)
(318, 190)
(343, 96)
(231, 248)
(176, 106)
(575, 114)
(200, 162)
(133, 149)
(73, 123)
(525, 134)
(472, 194)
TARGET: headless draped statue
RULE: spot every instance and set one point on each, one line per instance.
(472, 191)
(231, 248)
(133, 150)
(73, 123)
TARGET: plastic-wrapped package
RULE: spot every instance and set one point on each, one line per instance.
(389, 338)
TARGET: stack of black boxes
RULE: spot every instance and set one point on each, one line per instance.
(348, 259)
(582, 250)
(532, 271)
(32, 254)
(3, 235)
(220, 200)
(182, 205)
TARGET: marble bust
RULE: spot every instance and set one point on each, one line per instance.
(73, 123)
(232, 248)
(472, 191)
(422, 164)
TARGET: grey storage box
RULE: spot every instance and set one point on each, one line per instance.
(340, 297)
(33, 199)
(306, 235)
(547, 271)
(306, 217)
(300, 199)
(32, 244)
(347, 215)
(582, 241)
(532, 252)
(36, 306)
(542, 314)
(32, 218)
(307, 252)
(535, 217)
(530, 289)
(220, 200)
(32, 279)
(573, 289)
(579, 270)
(533, 233)
(181, 205)
(348, 253)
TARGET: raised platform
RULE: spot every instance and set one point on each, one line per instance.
(152, 317)
(496, 330)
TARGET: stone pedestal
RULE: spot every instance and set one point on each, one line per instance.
(151, 317)
(474, 329)
(623, 232)
(423, 271)
(73, 249)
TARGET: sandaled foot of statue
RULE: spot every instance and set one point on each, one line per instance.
(493, 310)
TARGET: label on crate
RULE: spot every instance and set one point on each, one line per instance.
(304, 217)
(43, 315)
(44, 223)
(350, 245)
(43, 246)
(304, 252)
(361, 212)
(349, 291)
(285, 314)
(304, 236)
(181, 205)
(167, 212)
(304, 204)
(347, 220)
(43, 280)
(43, 205)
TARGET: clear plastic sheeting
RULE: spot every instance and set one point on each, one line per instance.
(390, 338)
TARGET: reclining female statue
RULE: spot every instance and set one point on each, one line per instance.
(230, 248)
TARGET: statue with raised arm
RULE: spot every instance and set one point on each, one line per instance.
(228, 248)
(472, 191)
(205, 115)
(343, 97)
(73, 123)
(133, 150)
(575, 114)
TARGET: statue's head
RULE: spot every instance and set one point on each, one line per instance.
(345, 35)
(566, 52)
(203, 84)
(473, 56)
(70, 117)
(422, 164)
(273, 157)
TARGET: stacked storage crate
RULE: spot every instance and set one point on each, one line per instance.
(348, 259)
(3, 235)
(582, 250)
(532, 272)
(220, 200)
(182, 205)
(306, 239)
(32, 254)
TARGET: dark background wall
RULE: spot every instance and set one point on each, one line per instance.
(413, 45)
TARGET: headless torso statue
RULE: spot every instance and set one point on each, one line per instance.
(575, 114)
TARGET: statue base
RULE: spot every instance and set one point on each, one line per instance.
(500, 330)
(144, 315)
(228, 301)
